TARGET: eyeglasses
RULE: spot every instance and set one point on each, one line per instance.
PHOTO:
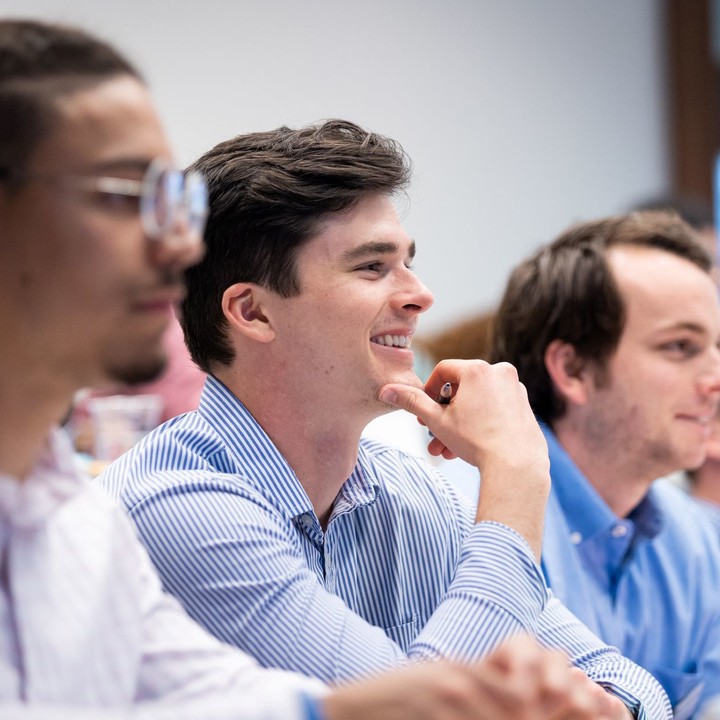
(170, 201)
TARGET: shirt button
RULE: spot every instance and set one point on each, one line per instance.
(575, 538)
(619, 531)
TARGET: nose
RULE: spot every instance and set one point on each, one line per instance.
(179, 247)
(414, 296)
(709, 382)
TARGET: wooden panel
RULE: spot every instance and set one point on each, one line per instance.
(693, 97)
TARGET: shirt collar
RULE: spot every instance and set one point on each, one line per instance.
(262, 464)
(586, 512)
(361, 488)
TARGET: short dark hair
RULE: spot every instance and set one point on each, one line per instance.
(695, 210)
(39, 63)
(269, 193)
(566, 291)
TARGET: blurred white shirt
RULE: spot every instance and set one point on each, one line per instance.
(85, 624)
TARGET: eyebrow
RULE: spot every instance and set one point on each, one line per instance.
(686, 326)
(134, 164)
(376, 248)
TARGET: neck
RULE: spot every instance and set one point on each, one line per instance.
(318, 438)
(619, 478)
(38, 381)
(30, 409)
(706, 481)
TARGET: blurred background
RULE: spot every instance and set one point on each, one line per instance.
(521, 116)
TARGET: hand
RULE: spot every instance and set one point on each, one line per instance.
(488, 423)
(519, 681)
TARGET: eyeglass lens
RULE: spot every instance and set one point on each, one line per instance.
(169, 198)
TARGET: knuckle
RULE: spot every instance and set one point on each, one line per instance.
(457, 690)
(508, 370)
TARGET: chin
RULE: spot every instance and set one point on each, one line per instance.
(138, 372)
(406, 378)
(694, 462)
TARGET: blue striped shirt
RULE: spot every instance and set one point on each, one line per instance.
(401, 571)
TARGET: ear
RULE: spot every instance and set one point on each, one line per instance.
(244, 308)
(568, 371)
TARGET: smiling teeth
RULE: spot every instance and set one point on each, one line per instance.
(392, 340)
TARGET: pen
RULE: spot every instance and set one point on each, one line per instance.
(443, 399)
(445, 394)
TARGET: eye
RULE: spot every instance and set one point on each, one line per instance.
(118, 201)
(681, 348)
(372, 267)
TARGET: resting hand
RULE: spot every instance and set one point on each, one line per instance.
(519, 681)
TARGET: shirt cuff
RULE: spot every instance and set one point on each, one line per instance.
(311, 707)
(497, 562)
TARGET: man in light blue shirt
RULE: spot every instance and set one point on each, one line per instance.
(277, 527)
(614, 328)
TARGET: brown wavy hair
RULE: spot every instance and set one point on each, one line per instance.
(566, 291)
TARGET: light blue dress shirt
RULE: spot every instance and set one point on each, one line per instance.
(400, 572)
(648, 584)
(711, 509)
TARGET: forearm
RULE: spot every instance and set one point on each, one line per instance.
(498, 591)
(515, 497)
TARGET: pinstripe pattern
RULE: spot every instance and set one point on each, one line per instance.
(84, 623)
(401, 571)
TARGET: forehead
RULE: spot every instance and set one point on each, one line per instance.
(372, 222)
(662, 290)
(111, 122)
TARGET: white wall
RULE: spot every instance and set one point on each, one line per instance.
(520, 115)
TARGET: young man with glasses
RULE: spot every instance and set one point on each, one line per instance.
(96, 228)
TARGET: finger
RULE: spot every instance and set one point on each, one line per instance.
(436, 447)
(590, 700)
(448, 371)
(413, 400)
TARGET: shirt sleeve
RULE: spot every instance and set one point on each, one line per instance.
(186, 674)
(604, 664)
(207, 709)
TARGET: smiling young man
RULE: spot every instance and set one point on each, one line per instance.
(265, 513)
(96, 227)
(619, 352)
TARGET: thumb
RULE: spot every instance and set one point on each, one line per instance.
(407, 397)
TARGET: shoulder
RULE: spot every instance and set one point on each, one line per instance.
(101, 532)
(687, 530)
(184, 454)
(680, 512)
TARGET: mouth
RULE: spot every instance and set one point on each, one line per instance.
(701, 420)
(162, 302)
(396, 341)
